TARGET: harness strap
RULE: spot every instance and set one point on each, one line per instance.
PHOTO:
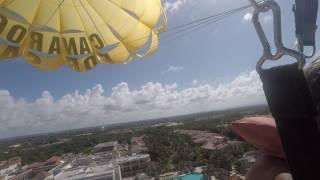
(305, 17)
(291, 105)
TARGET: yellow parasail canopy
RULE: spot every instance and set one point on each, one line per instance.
(79, 33)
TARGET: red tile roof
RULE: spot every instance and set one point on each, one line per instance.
(42, 175)
(36, 165)
(54, 159)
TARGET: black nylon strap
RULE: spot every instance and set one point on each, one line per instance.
(305, 17)
(291, 105)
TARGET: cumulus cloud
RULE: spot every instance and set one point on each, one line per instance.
(94, 107)
(173, 69)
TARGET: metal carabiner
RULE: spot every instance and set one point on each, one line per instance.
(256, 5)
(300, 48)
(305, 12)
(280, 49)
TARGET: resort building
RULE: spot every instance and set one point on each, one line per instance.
(38, 170)
(208, 141)
(105, 172)
(133, 165)
(7, 168)
(92, 167)
(138, 145)
(105, 147)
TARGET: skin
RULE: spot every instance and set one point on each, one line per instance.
(284, 176)
(269, 168)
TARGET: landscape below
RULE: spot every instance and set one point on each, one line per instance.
(188, 147)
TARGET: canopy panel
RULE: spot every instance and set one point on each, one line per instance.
(79, 33)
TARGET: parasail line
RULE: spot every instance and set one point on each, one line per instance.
(191, 26)
(210, 21)
(95, 24)
(7, 4)
(194, 23)
(187, 31)
(206, 18)
(54, 12)
(195, 27)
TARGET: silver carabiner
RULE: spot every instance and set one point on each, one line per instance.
(300, 47)
(280, 49)
(256, 5)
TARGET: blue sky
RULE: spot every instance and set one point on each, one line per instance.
(203, 63)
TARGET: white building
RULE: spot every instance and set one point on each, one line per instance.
(105, 147)
(104, 172)
(92, 167)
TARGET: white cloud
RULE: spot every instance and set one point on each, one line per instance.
(173, 69)
(195, 82)
(265, 18)
(173, 6)
(247, 17)
(94, 107)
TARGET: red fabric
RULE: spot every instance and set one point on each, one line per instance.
(262, 133)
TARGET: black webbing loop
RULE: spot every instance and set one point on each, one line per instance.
(291, 105)
(305, 17)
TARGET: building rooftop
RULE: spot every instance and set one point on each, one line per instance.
(36, 165)
(98, 165)
(106, 144)
(138, 140)
(133, 157)
(103, 147)
(14, 161)
(211, 146)
(208, 140)
(41, 175)
(82, 162)
(54, 159)
(86, 172)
